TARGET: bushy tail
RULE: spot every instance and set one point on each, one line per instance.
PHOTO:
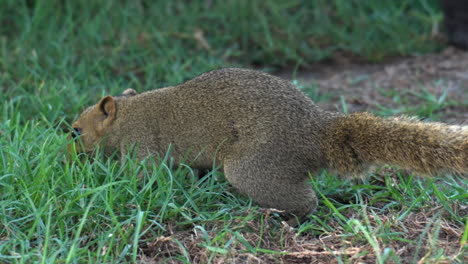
(360, 140)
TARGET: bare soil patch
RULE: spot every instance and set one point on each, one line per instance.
(418, 228)
(368, 86)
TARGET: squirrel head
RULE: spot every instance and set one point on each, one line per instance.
(93, 123)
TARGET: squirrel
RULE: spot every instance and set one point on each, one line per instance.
(266, 135)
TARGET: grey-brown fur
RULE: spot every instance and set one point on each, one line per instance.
(266, 134)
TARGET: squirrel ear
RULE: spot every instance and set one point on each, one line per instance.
(107, 107)
(129, 92)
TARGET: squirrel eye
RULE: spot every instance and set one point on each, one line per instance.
(76, 132)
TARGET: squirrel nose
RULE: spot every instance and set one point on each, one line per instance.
(76, 132)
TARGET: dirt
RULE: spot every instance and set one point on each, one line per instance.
(394, 84)
(416, 232)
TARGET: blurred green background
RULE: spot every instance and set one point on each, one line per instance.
(56, 56)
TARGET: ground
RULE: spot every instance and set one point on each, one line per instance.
(394, 84)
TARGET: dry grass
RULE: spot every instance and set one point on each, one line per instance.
(330, 247)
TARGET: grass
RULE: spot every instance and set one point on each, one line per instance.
(56, 57)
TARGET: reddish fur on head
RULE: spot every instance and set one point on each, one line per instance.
(92, 124)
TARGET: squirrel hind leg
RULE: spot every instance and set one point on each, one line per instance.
(270, 186)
